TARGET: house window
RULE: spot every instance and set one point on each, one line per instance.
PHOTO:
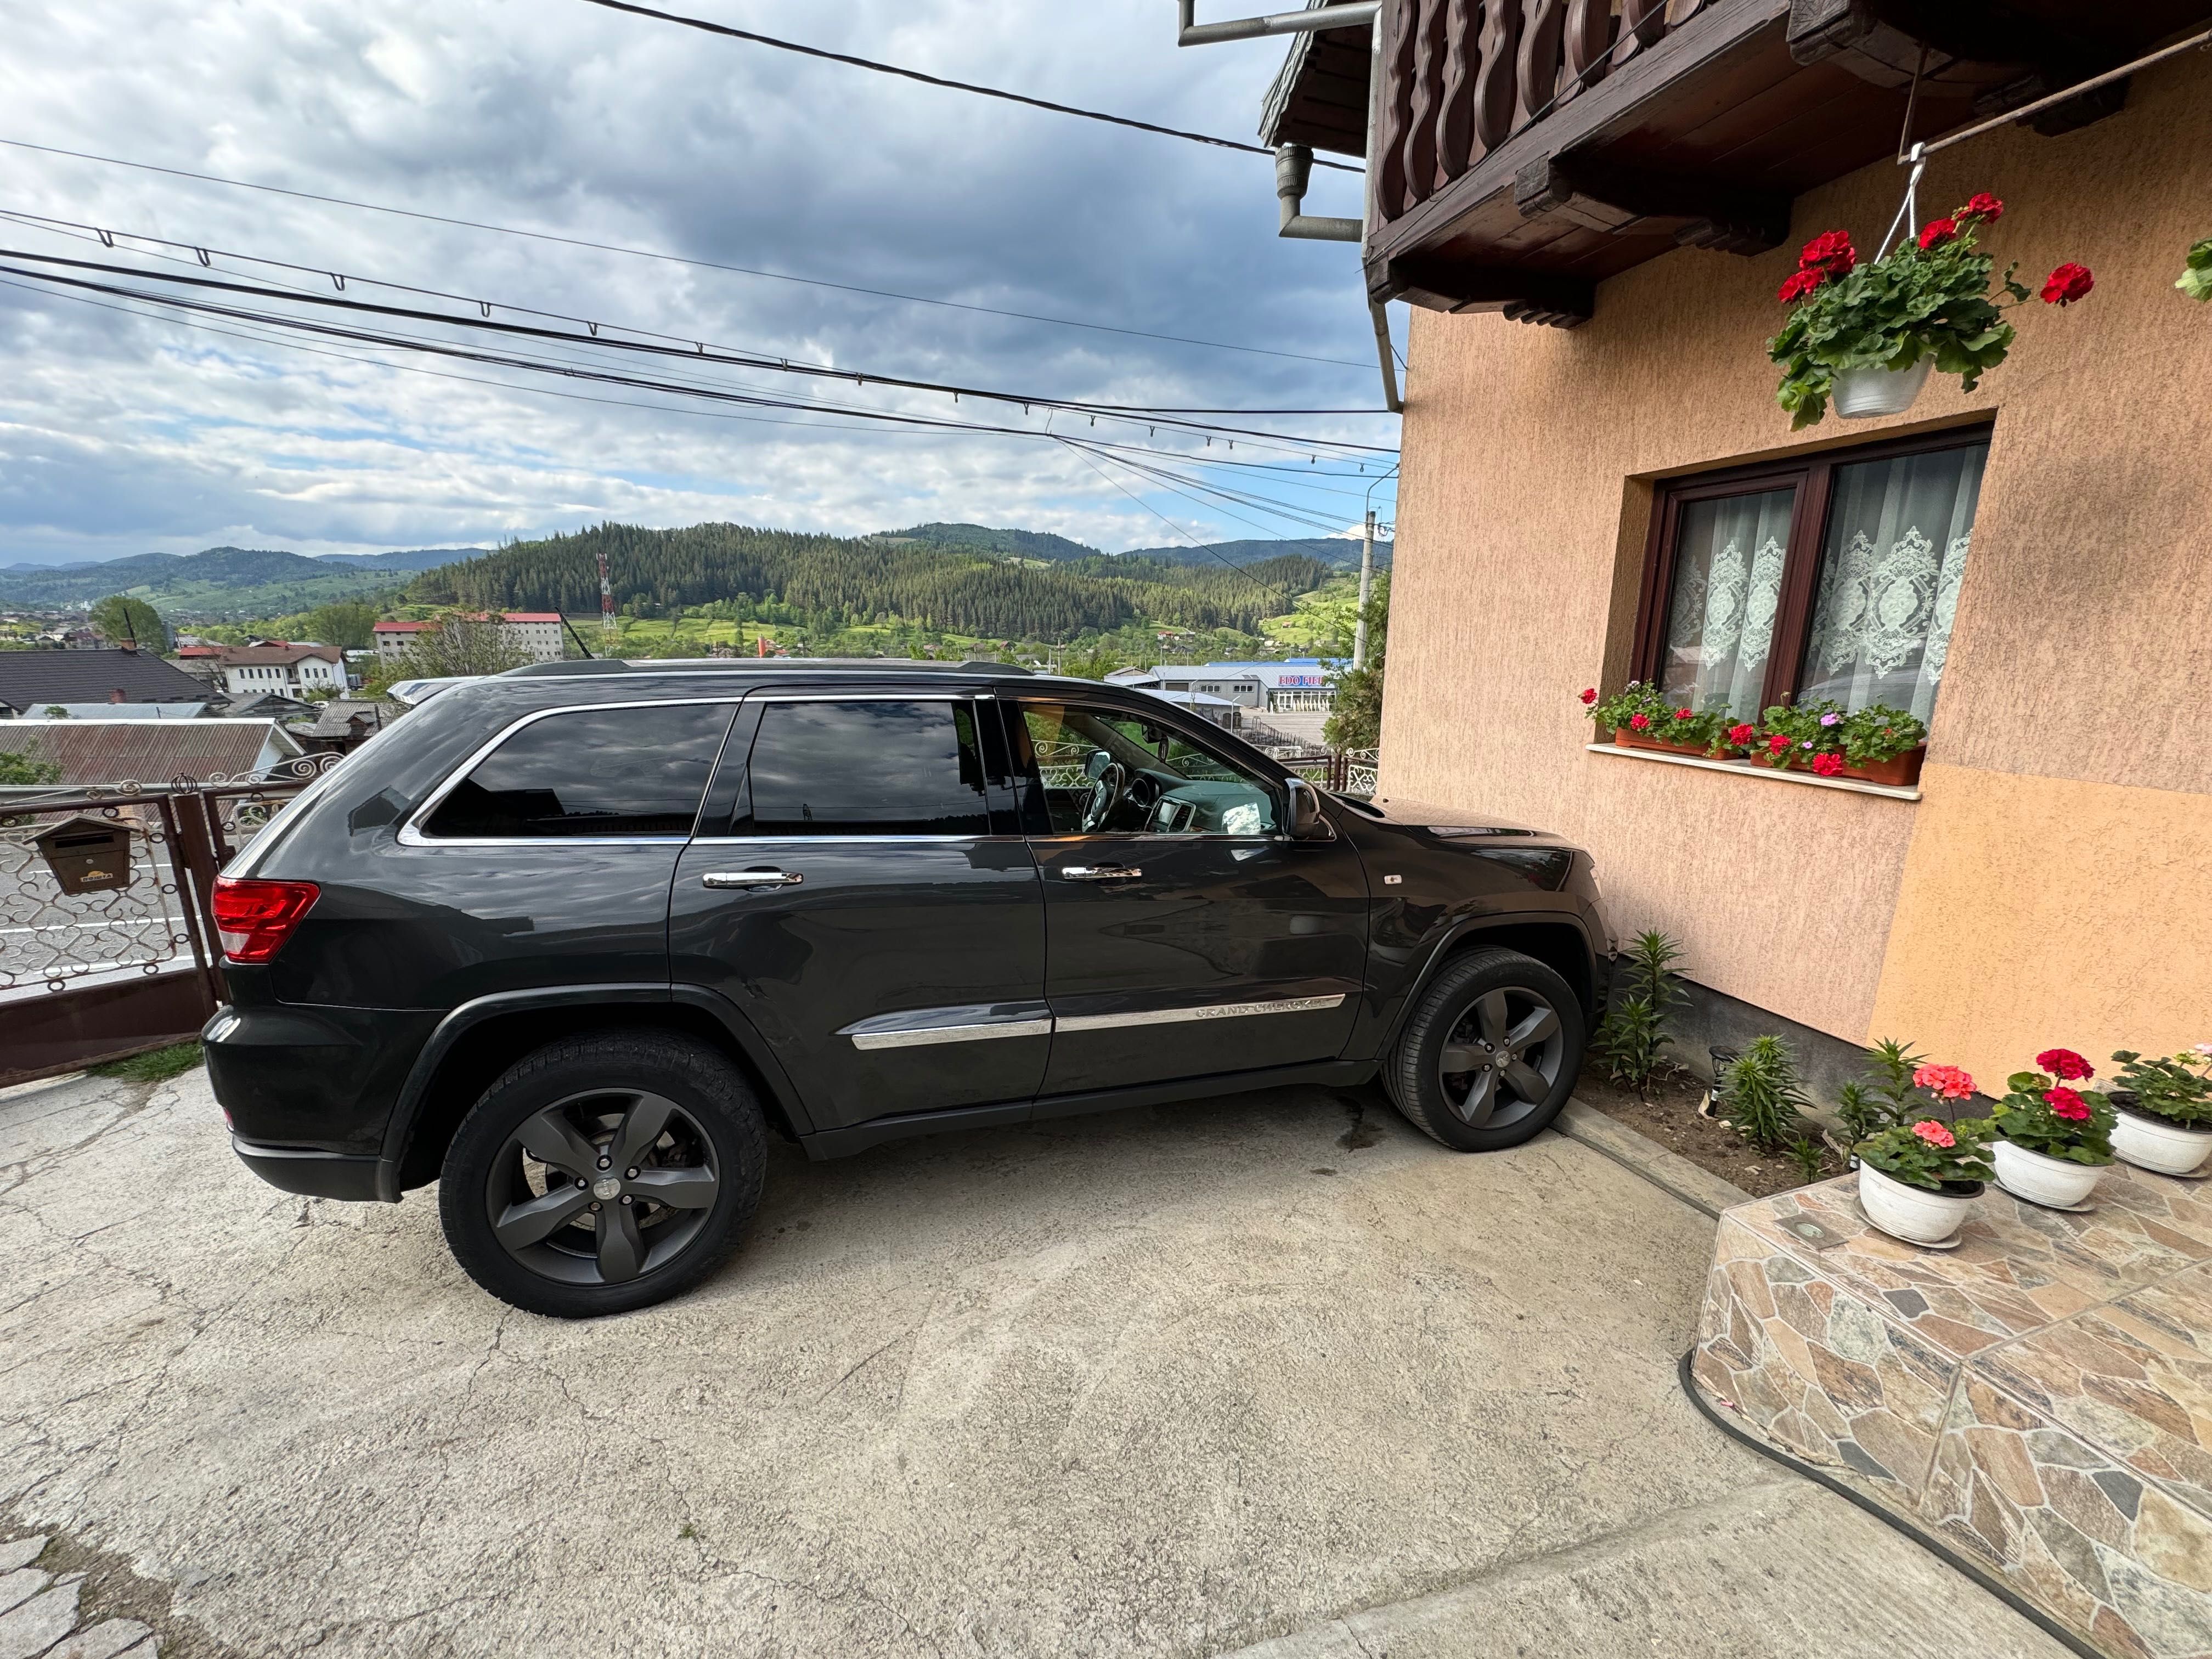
(1832, 578)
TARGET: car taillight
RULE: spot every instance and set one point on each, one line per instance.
(256, 917)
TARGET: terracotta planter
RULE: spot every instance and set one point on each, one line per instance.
(2157, 1144)
(1897, 772)
(1861, 394)
(1914, 1213)
(1627, 740)
(2054, 1182)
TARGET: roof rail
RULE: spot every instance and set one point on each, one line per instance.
(748, 664)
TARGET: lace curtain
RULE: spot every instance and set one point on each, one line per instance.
(1893, 558)
(1728, 582)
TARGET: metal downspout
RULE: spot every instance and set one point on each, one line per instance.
(1294, 162)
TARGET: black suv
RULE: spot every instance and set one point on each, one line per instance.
(573, 940)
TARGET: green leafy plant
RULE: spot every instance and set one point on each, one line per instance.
(2040, 1112)
(1761, 1097)
(1932, 1155)
(1806, 1153)
(1644, 709)
(1930, 298)
(20, 769)
(1827, 737)
(2176, 1087)
(2197, 272)
(1859, 1112)
(1630, 1039)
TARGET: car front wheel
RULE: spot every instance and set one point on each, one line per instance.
(604, 1173)
(1490, 1052)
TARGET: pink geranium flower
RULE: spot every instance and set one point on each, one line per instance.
(1934, 1133)
(2065, 1063)
(1945, 1082)
(2064, 1103)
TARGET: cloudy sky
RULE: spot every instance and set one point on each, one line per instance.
(123, 431)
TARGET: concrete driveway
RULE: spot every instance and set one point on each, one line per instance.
(1165, 1383)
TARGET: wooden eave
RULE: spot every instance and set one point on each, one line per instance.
(1319, 97)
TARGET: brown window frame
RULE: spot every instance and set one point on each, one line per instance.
(1812, 477)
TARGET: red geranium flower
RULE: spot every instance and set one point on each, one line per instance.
(1936, 232)
(1683, 714)
(1589, 695)
(2064, 1103)
(1777, 744)
(1742, 735)
(1799, 284)
(1934, 1133)
(1827, 766)
(2065, 1063)
(1946, 1082)
(1831, 251)
(1980, 205)
(1641, 722)
(2067, 283)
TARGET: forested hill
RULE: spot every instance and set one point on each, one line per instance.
(840, 581)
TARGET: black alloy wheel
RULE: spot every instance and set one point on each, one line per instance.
(602, 1174)
(1490, 1052)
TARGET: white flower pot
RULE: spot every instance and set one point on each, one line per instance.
(2057, 1184)
(1860, 394)
(1911, 1213)
(2152, 1143)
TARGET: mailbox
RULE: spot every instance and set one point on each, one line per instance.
(87, 855)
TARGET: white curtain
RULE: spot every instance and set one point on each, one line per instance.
(1728, 581)
(1893, 558)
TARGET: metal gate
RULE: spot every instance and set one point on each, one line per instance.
(105, 956)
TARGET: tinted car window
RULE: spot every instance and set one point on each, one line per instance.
(617, 772)
(868, 768)
(1101, 769)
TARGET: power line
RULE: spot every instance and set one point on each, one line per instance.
(1138, 413)
(724, 29)
(671, 258)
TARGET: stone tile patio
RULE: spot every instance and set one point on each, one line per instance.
(2041, 1396)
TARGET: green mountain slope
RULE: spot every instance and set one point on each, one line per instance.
(837, 581)
(217, 585)
(1015, 543)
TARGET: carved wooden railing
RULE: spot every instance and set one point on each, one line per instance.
(1463, 76)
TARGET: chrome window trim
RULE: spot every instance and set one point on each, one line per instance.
(411, 835)
(820, 841)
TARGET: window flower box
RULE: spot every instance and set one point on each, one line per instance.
(1898, 772)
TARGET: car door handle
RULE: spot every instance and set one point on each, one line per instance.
(750, 878)
(1098, 872)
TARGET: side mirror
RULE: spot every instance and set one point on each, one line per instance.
(1307, 822)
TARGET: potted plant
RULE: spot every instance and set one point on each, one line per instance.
(2057, 1139)
(1917, 1180)
(2165, 1110)
(1869, 334)
(1641, 716)
(1874, 744)
(2197, 272)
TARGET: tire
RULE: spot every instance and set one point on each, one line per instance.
(1480, 1006)
(537, 1211)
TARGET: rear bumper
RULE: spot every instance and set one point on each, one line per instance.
(303, 1170)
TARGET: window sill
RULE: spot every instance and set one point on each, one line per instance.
(1745, 769)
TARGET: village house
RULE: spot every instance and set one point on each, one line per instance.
(540, 634)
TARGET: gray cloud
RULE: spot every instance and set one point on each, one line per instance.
(119, 434)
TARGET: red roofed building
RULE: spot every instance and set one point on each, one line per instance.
(538, 633)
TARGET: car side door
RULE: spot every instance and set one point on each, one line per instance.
(1187, 934)
(859, 904)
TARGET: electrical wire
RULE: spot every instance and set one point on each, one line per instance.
(1136, 412)
(668, 258)
(726, 31)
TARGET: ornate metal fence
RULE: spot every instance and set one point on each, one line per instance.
(108, 940)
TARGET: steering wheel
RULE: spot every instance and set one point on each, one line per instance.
(1109, 781)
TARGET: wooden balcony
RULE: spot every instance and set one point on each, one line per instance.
(1526, 149)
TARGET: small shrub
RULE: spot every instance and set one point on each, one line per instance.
(1859, 1112)
(1806, 1153)
(1631, 1040)
(2177, 1087)
(1761, 1097)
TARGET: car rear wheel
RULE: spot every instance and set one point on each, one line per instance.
(1490, 1052)
(604, 1173)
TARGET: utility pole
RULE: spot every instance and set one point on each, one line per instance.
(606, 600)
(1366, 584)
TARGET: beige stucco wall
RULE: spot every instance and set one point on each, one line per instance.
(2080, 657)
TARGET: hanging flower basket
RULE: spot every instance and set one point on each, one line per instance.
(1869, 335)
